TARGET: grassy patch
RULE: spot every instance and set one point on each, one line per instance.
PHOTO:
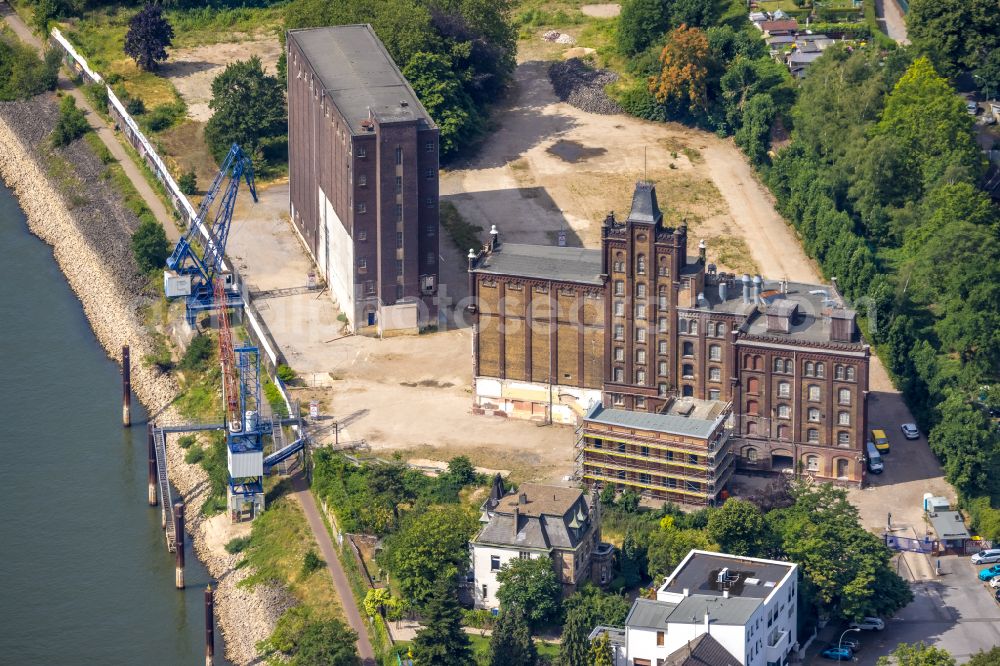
(200, 396)
(464, 235)
(100, 150)
(64, 175)
(734, 254)
(278, 545)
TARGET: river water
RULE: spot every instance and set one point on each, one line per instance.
(85, 576)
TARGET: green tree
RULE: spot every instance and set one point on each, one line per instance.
(745, 78)
(641, 24)
(72, 124)
(695, 13)
(586, 609)
(985, 658)
(917, 654)
(956, 34)
(631, 561)
(311, 641)
(600, 651)
(628, 501)
(460, 468)
(531, 584)
(739, 528)
(511, 643)
(965, 441)
(442, 641)
(754, 135)
(987, 75)
(440, 90)
(149, 34)
(846, 567)
(248, 109)
(428, 548)
(930, 122)
(149, 245)
(667, 547)
(375, 600)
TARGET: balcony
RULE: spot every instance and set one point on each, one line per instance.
(777, 646)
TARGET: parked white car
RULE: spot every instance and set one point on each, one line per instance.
(869, 624)
(988, 556)
(995, 582)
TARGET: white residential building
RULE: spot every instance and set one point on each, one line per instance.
(732, 611)
(538, 521)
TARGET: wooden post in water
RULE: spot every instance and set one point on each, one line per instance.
(126, 388)
(179, 544)
(152, 465)
(209, 627)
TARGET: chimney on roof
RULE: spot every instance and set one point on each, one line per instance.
(702, 252)
(517, 516)
(746, 288)
(687, 592)
(723, 293)
(755, 295)
(494, 238)
(708, 621)
(842, 325)
(522, 498)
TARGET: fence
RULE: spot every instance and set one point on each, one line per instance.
(257, 329)
(925, 545)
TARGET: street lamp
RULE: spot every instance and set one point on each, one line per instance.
(840, 643)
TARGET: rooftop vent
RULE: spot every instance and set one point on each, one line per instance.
(723, 576)
(769, 583)
(403, 103)
(752, 581)
(368, 125)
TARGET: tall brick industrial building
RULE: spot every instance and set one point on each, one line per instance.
(363, 177)
(676, 373)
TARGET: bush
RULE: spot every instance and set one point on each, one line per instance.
(464, 235)
(149, 245)
(186, 441)
(275, 399)
(163, 116)
(194, 455)
(237, 545)
(285, 373)
(71, 124)
(135, 106)
(197, 353)
(188, 182)
(310, 563)
(97, 93)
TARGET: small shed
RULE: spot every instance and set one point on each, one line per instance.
(949, 526)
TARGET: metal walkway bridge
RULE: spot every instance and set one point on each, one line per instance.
(166, 499)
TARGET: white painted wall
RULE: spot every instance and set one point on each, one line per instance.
(501, 392)
(481, 558)
(336, 260)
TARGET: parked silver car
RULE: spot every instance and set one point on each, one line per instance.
(910, 430)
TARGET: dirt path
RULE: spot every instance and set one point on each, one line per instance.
(103, 130)
(308, 503)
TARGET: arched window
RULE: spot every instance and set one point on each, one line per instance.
(687, 370)
(838, 371)
(714, 353)
(640, 377)
(820, 370)
(661, 325)
(784, 390)
(844, 396)
(782, 432)
(662, 269)
(788, 365)
(753, 385)
(640, 356)
(640, 290)
(640, 264)
(682, 325)
(810, 369)
(662, 368)
(693, 328)
(751, 427)
(688, 349)
(812, 436)
(661, 389)
(750, 453)
(844, 418)
(813, 415)
(619, 375)
(720, 330)
(812, 463)
(850, 373)
(784, 412)
(748, 362)
(662, 297)
(687, 391)
(843, 439)
(752, 407)
(714, 374)
(813, 393)
(779, 365)
(758, 362)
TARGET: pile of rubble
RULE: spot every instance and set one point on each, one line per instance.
(558, 37)
(582, 86)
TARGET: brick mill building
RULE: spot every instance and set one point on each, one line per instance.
(675, 373)
(363, 177)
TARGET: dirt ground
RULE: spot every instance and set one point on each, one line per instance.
(552, 168)
(608, 10)
(191, 70)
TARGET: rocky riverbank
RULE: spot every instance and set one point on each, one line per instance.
(73, 209)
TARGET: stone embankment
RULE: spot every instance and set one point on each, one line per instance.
(70, 207)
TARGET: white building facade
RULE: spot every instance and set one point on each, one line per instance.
(747, 605)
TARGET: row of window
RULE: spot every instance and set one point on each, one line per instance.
(649, 479)
(363, 263)
(812, 434)
(430, 230)
(785, 412)
(667, 455)
(809, 368)
(618, 265)
(813, 392)
(362, 151)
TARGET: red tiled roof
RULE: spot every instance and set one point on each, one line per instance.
(771, 26)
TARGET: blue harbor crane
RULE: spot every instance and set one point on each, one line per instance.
(198, 257)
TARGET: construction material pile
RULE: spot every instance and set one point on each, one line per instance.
(558, 37)
(577, 83)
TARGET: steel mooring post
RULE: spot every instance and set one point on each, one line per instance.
(126, 388)
(179, 544)
(152, 465)
(209, 627)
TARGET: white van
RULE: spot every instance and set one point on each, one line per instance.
(988, 556)
(875, 464)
